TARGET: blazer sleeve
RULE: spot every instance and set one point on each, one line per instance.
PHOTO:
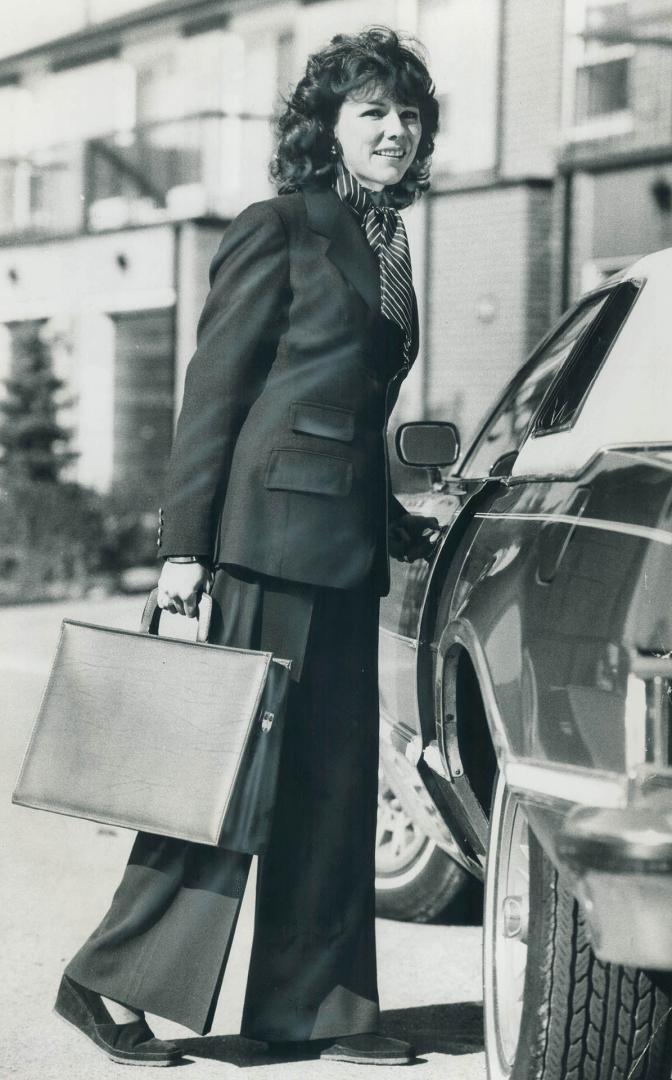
(236, 343)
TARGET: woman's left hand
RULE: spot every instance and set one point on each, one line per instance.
(410, 537)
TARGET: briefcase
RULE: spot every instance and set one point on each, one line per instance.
(178, 738)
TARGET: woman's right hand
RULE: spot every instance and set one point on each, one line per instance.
(180, 586)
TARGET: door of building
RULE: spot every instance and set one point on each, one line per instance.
(143, 402)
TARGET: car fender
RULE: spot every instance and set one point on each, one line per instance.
(441, 766)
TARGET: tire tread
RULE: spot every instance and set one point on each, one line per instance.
(584, 1019)
(616, 1020)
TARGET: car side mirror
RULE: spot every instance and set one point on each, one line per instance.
(428, 444)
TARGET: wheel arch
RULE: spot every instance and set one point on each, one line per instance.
(463, 730)
(461, 760)
(460, 658)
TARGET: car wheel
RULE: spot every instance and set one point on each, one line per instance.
(415, 879)
(552, 1009)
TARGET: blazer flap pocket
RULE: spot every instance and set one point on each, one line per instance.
(328, 421)
(305, 470)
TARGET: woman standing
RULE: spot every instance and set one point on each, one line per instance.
(279, 483)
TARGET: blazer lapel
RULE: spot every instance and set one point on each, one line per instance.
(348, 249)
(350, 252)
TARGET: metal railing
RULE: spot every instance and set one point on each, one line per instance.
(204, 164)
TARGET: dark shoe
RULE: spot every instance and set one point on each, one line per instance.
(369, 1049)
(128, 1044)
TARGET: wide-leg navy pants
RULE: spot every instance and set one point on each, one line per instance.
(164, 943)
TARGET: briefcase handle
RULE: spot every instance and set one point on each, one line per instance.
(152, 614)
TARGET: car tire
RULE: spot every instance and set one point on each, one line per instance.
(553, 1011)
(416, 880)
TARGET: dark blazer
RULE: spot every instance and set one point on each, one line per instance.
(279, 463)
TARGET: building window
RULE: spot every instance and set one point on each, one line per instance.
(23, 336)
(602, 88)
(599, 69)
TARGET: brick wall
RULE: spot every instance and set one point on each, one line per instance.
(489, 295)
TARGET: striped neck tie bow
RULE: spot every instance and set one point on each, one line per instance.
(386, 234)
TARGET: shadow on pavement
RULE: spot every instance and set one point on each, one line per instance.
(456, 1028)
(232, 1049)
(432, 1029)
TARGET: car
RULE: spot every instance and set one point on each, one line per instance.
(526, 692)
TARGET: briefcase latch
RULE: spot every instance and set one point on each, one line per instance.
(267, 721)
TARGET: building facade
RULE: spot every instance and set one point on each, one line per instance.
(128, 144)
(615, 160)
(553, 170)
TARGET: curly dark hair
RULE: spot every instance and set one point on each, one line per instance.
(349, 64)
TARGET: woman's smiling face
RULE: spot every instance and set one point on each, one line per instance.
(378, 137)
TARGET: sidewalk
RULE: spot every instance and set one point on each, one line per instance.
(57, 875)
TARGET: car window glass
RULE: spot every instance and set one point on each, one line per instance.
(568, 393)
(505, 430)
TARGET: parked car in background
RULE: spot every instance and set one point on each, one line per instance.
(525, 687)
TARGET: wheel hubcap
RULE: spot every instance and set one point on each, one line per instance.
(398, 842)
(511, 940)
(507, 898)
(514, 918)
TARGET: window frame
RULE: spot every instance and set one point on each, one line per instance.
(600, 58)
(535, 359)
(582, 54)
(628, 291)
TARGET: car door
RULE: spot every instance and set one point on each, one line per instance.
(487, 460)
(408, 638)
(542, 585)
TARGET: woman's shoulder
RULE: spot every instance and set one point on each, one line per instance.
(287, 207)
(263, 227)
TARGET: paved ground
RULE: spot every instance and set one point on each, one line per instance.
(56, 878)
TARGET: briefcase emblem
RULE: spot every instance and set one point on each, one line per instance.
(267, 721)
